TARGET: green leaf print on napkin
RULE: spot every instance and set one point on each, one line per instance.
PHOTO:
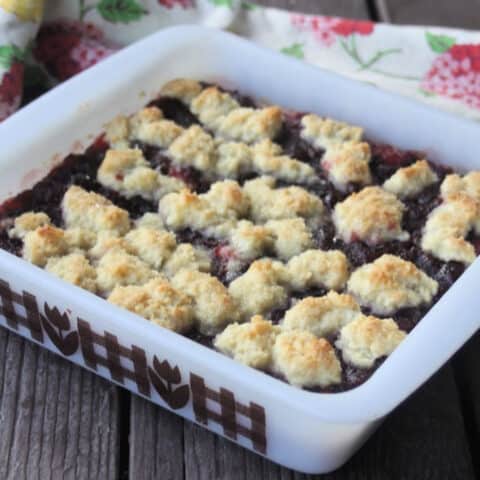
(439, 43)
(426, 93)
(294, 50)
(249, 6)
(10, 54)
(222, 3)
(120, 11)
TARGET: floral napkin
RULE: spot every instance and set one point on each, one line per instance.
(46, 42)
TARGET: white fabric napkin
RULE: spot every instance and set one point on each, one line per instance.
(439, 66)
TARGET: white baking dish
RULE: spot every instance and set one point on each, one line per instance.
(306, 431)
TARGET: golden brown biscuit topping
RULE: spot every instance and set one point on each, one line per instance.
(390, 283)
(263, 215)
(372, 215)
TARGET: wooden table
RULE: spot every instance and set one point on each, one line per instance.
(72, 424)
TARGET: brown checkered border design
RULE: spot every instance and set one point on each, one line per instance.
(164, 378)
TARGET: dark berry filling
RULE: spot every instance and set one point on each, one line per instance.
(294, 145)
(176, 111)
(226, 264)
(194, 178)
(12, 245)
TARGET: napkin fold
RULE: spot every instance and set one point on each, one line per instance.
(43, 43)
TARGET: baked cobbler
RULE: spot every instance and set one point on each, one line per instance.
(287, 241)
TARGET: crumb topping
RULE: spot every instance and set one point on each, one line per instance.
(249, 343)
(106, 241)
(322, 316)
(187, 210)
(228, 199)
(318, 268)
(265, 157)
(391, 283)
(161, 133)
(211, 106)
(410, 181)
(372, 215)
(261, 288)
(213, 306)
(91, 211)
(251, 241)
(367, 339)
(44, 242)
(148, 125)
(469, 184)
(194, 148)
(158, 302)
(233, 159)
(127, 172)
(305, 360)
(291, 237)
(150, 220)
(187, 257)
(150, 245)
(117, 132)
(28, 222)
(325, 132)
(269, 203)
(448, 225)
(267, 160)
(74, 268)
(347, 163)
(120, 268)
(182, 89)
(250, 125)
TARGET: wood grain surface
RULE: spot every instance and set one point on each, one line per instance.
(74, 425)
(350, 8)
(458, 13)
(56, 419)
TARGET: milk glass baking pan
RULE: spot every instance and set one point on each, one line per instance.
(247, 406)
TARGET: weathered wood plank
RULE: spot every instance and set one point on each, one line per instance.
(350, 8)
(208, 456)
(158, 451)
(461, 13)
(424, 435)
(424, 438)
(199, 455)
(56, 420)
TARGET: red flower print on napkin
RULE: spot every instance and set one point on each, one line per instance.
(67, 47)
(321, 27)
(346, 27)
(455, 73)
(11, 85)
(177, 3)
(326, 29)
(346, 33)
